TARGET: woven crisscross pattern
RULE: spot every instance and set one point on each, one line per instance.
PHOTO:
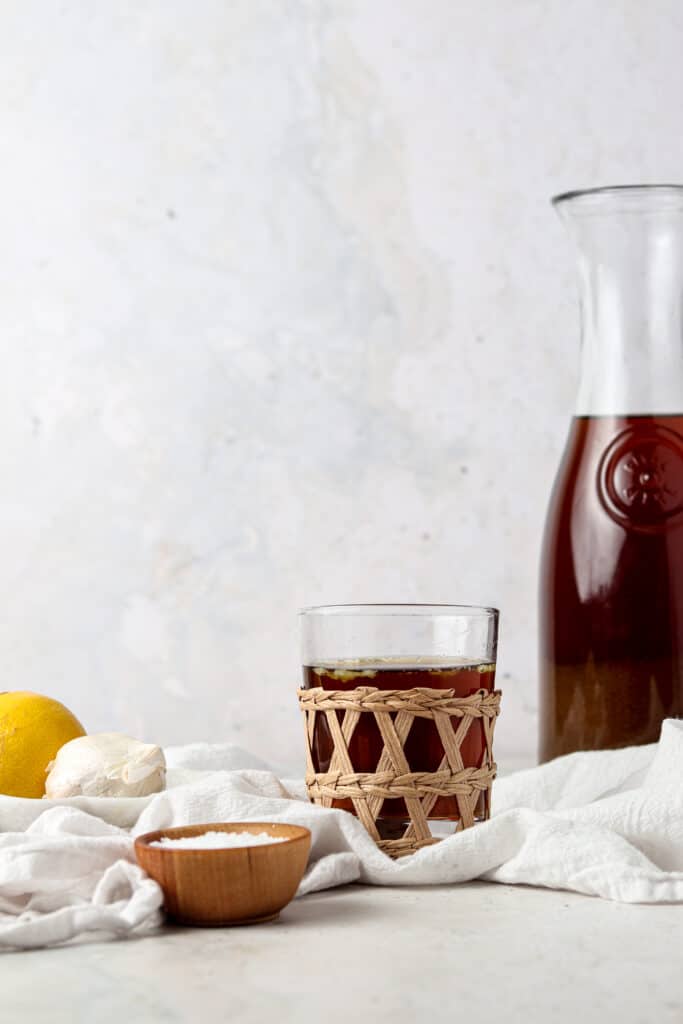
(394, 712)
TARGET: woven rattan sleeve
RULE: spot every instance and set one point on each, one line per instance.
(394, 712)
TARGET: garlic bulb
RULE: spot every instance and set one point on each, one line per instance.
(106, 764)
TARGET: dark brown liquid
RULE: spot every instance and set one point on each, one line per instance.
(611, 599)
(423, 747)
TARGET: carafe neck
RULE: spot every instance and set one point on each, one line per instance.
(629, 242)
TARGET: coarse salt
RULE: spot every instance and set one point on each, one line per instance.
(219, 840)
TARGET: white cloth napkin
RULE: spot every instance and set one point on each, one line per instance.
(608, 824)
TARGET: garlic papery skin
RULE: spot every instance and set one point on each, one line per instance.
(106, 764)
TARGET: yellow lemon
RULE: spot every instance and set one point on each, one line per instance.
(32, 729)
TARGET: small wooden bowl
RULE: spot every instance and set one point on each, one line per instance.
(235, 885)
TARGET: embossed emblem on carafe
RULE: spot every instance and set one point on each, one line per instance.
(640, 479)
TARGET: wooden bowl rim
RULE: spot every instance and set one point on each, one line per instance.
(145, 841)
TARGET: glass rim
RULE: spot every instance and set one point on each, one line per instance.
(402, 608)
(625, 191)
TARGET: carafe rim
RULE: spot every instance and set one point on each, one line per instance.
(624, 191)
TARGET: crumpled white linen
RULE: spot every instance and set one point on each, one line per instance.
(605, 823)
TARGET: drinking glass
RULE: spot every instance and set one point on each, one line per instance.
(401, 647)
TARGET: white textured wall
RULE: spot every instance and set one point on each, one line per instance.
(285, 318)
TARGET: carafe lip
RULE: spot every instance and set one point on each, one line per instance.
(630, 193)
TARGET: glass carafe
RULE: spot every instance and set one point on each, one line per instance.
(611, 593)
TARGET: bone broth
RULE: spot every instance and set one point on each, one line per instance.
(423, 748)
(612, 586)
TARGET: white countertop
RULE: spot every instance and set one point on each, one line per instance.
(365, 954)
